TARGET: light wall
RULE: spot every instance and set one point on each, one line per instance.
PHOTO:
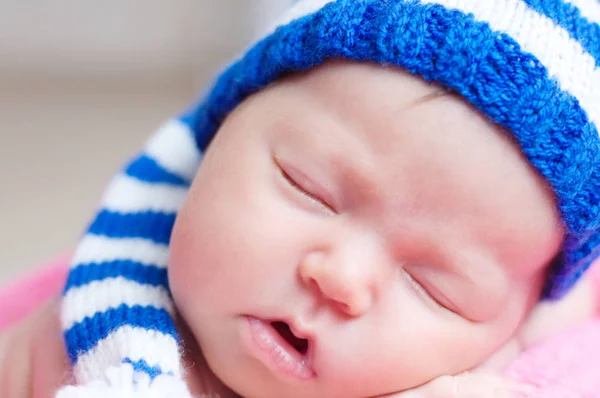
(82, 85)
(115, 37)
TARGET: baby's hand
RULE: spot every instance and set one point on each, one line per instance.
(33, 359)
(480, 384)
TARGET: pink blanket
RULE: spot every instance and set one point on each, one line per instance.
(20, 298)
(565, 366)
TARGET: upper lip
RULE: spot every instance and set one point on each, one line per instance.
(302, 331)
(299, 330)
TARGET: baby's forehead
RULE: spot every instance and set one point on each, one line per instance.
(363, 87)
(346, 107)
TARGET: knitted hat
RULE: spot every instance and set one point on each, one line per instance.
(532, 66)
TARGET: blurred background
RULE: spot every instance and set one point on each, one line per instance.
(82, 85)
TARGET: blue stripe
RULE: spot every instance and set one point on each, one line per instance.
(142, 366)
(85, 335)
(569, 18)
(147, 169)
(580, 256)
(155, 226)
(84, 274)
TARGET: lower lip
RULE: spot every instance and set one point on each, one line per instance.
(275, 352)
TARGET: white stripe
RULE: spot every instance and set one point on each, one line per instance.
(128, 195)
(174, 148)
(297, 11)
(155, 348)
(100, 249)
(101, 296)
(565, 58)
(590, 9)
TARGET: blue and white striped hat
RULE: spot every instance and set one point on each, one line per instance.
(532, 66)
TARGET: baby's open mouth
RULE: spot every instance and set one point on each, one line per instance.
(300, 344)
(282, 347)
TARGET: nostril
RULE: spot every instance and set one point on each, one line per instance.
(343, 307)
(339, 305)
(314, 286)
(299, 344)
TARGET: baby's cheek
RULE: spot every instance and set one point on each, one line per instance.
(550, 317)
(180, 280)
(185, 242)
(502, 358)
(180, 272)
(190, 278)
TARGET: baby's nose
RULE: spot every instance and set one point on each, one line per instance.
(344, 276)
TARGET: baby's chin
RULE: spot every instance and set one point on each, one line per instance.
(207, 373)
(201, 380)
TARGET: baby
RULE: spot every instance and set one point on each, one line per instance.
(378, 224)
(390, 189)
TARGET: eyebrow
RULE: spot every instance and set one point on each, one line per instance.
(440, 92)
(353, 177)
(340, 154)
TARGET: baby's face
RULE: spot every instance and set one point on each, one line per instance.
(399, 234)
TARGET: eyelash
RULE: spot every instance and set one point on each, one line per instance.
(294, 184)
(416, 285)
(422, 291)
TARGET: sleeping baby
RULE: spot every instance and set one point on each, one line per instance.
(380, 199)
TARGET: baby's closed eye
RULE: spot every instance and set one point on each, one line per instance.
(429, 293)
(306, 186)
